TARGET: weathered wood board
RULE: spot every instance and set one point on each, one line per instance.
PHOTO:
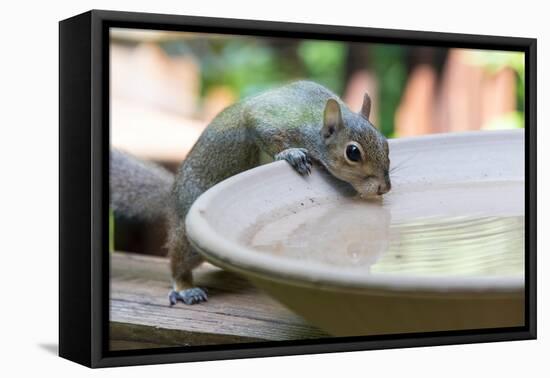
(236, 312)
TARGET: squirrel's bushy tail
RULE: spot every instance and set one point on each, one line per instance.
(139, 189)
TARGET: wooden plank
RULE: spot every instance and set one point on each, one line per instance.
(126, 336)
(236, 311)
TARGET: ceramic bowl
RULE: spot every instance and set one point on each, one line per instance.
(443, 250)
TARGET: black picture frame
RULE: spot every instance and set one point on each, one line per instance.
(83, 181)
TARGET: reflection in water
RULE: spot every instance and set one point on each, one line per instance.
(362, 235)
(339, 234)
(456, 246)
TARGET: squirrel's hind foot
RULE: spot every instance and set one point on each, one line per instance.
(188, 296)
(298, 158)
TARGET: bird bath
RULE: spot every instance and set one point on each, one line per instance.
(444, 250)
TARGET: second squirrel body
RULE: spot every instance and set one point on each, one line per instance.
(301, 123)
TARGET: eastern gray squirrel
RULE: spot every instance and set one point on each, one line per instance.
(301, 122)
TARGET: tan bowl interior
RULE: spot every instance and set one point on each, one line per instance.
(452, 176)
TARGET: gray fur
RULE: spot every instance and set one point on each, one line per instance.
(139, 189)
(292, 122)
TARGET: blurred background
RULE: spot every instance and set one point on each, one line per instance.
(167, 86)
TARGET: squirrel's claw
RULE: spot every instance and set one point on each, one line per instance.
(173, 297)
(298, 158)
(188, 296)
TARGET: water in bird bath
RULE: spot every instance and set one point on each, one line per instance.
(470, 229)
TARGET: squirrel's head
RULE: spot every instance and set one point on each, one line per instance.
(356, 152)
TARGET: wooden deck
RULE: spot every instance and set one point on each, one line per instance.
(236, 311)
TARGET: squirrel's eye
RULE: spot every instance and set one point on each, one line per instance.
(353, 153)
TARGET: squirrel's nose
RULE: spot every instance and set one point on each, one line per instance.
(383, 188)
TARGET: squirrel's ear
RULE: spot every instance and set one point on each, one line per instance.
(332, 120)
(365, 109)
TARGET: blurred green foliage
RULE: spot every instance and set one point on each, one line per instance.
(389, 66)
(494, 61)
(249, 65)
(513, 120)
(324, 63)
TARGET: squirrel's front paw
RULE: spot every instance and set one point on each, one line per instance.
(188, 296)
(298, 158)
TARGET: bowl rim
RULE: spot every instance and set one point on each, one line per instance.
(245, 260)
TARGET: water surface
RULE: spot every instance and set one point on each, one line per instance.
(457, 231)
